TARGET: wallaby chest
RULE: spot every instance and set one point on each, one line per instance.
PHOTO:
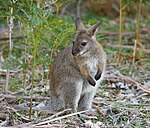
(90, 62)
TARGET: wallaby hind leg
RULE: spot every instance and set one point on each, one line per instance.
(71, 96)
(85, 102)
(54, 104)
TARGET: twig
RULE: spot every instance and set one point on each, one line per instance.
(141, 95)
(10, 24)
(50, 126)
(59, 118)
(10, 31)
(138, 25)
(25, 54)
(134, 52)
(24, 97)
(113, 88)
(42, 81)
(63, 10)
(1, 59)
(7, 81)
(58, 5)
(120, 33)
(56, 115)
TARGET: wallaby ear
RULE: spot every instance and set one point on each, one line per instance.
(93, 29)
(79, 24)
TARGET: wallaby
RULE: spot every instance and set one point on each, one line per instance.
(77, 71)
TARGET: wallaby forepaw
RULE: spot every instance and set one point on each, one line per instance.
(91, 81)
(98, 75)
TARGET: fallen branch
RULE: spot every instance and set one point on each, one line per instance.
(56, 115)
(58, 118)
(128, 79)
(23, 97)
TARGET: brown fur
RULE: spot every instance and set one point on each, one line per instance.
(74, 70)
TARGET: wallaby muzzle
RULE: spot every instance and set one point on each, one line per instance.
(75, 52)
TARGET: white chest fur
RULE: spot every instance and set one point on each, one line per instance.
(92, 63)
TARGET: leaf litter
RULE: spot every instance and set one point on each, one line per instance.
(121, 101)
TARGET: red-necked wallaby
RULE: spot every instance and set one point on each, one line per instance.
(77, 71)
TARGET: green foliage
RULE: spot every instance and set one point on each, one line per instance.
(43, 31)
(15, 84)
(10, 63)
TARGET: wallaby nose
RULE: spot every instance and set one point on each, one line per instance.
(74, 52)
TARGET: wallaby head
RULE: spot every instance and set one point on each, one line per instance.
(85, 39)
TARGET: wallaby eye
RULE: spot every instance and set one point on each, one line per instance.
(83, 44)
